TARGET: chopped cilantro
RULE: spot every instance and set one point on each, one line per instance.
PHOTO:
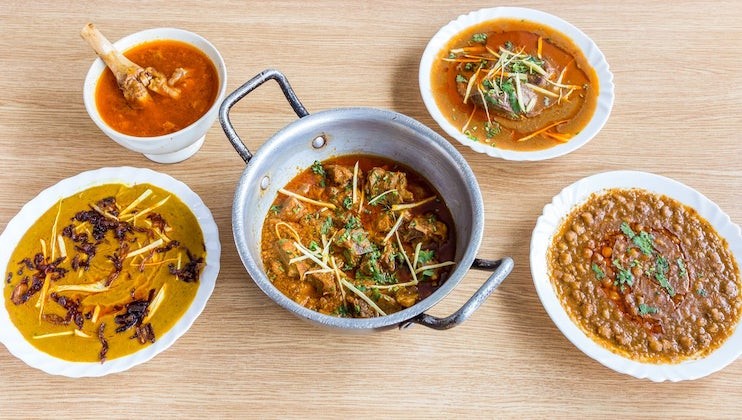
(599, 273)
(469, 66)
(425, 256)
(661, 267)
(325, 229)
(491, 129)
(646, 309)
(509, 89)
(681, 267)
(275, 209)
(313, 246)
(481, 37)
(352, 223)
(487, 83)
(623, 276)
(626, 229)
(359, 237)
(348, 202)
(461, 79)
(318, 169)
(519, 67)
(644, 241)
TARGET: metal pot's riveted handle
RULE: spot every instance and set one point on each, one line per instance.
(501, 269)
(241, 92)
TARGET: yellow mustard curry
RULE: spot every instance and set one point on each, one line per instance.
(646, 276)
(515, 84)
(358, 236)
(103, 272)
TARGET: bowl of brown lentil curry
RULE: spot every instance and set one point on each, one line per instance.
(641, 273)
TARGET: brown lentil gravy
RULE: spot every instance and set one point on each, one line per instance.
(645, 276)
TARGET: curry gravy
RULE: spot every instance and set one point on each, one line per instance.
(94, 269)
(646, 276)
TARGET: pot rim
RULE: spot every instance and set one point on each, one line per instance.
(259, 276)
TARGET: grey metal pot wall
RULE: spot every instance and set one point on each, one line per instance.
(367, 131)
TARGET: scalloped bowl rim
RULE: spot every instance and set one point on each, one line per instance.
(593, 54)
(31, 211)
(577, 193)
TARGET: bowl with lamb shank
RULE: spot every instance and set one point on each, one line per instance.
(156, 91)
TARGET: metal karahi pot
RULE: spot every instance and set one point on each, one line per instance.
(367, 131)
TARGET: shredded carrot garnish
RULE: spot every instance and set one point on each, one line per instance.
(536, 133)
(540, 46)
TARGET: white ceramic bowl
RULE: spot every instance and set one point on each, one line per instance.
(169, 148)
(594, 56)
(17, 227)
(576, 194)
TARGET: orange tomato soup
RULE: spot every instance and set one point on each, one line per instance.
(164, 115)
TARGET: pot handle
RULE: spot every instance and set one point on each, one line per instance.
(241, 92)
(501, 270)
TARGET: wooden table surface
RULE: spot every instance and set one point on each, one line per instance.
(677, 113)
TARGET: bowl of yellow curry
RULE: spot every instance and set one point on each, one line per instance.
(104, 270)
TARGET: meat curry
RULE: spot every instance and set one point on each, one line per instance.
(104, 272)
(358, 236)
(515, 84)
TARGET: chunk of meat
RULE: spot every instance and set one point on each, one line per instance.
(323, 283)
(353, 243)
(133, 80)
(388, 256)
(406, 296)
(426, 229)
(355, 240)
(388, 304)
(359, 307)
(369, 264)
(286, 251)
(292, 210)
(502, 103)
(380, 180)
(339, 174)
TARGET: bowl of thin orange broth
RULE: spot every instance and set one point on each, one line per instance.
(171, 125)
(516, 83)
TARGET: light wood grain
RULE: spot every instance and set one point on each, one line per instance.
(677, 113)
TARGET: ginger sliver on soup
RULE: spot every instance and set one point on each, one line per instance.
(105, 272)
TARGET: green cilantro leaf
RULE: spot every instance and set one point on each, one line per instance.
(661, 267)
(481, 37)
(646, 309)
(599, 273)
